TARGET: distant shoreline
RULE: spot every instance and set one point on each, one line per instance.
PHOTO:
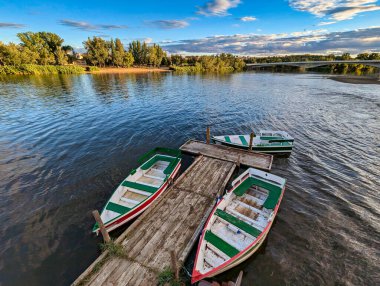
(356, 79)
(114, 70)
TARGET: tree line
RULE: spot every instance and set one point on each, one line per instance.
(100, 52)
(41, 48)
(333, 68)
(45, 48)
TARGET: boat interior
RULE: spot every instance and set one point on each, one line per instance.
(139, 185)
(237, 222)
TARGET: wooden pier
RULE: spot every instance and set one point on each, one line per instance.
(171, 226)
(248, 159)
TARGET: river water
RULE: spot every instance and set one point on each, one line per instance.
(67, 141)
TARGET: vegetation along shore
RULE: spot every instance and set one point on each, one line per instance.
(44, 53)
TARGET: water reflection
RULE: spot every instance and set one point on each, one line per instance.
(67, 141)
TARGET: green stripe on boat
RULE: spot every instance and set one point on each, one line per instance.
(140, 187)
(243, 141)
(155, 159)
(274, 191)
(169, 169)
(238, 223)
(117, 208)
(270, 137)
(220, 244)
(227, 138)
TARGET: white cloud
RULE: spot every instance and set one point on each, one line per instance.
(170, 24)
(248, 19)
(317, 41)
(337, 10)
(218, 7)
(148, 40)
(326, 23)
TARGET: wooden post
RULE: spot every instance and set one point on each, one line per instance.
(106, 236)
(239, 279)
(175, 268)
(251, 140)
(238, 162)
(208, 135)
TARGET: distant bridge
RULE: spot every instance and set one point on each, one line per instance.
(314, 64)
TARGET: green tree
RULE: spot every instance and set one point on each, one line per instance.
(111, 53)
(97, 51)
(47, 45)
(346, 57)
(156, 54)
(119, 53)
(128, 59)
(135, 49)
(9, 54)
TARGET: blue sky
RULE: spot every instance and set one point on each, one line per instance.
(243, 27)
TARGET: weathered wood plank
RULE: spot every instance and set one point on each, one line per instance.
(171, 223)
(247, 158)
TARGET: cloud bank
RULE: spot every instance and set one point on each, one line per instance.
(11, 25)
(85, 26)
(337, 10)
(169, 24)
(217, 7)
(318, 41)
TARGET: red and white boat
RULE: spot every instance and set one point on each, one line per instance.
(141, 188)
(239, 223)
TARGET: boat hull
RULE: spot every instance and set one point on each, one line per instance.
(261, 149)
(244, 254)
(141, 208)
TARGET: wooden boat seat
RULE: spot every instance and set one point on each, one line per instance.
(138, 186)
(220, 244)
(244, 218)
(251, 201)
(238, 223)
(130, 201)
(117, 208)
(274, 191)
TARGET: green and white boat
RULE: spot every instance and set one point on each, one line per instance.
(267, 141)
(239, 223)
(141, 187)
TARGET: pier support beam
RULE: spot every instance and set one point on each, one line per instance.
(106, 236)
(251, 140)
(208, 135)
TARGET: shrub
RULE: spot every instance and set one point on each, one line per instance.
(29, 69)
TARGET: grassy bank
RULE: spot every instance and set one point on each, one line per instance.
(198, 68)
(29, 69)
(115, 70)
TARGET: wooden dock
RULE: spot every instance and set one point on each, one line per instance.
(245, 158)
(172, 223)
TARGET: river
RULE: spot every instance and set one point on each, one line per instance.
(67, 141)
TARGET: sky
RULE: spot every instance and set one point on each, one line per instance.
(242, 27)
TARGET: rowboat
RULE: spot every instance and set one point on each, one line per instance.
(141, 187)
(267, 141)
(239, 223)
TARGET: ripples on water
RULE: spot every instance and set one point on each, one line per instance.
(67, 141)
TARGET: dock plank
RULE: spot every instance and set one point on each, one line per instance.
(171, 223)
(246, 158)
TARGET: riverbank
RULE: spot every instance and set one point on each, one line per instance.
(356, 79)
(111, 70)
(31, 69)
